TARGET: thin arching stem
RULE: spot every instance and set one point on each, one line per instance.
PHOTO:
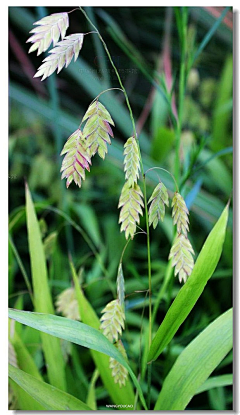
(161, 168)
(142, 171)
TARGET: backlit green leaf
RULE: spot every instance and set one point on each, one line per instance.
(195, 364)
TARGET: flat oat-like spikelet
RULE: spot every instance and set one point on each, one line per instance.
(131, 203)
(67, 304)
(158, 201)
(131, 161)
(182, 252)
(119, 372)
(48, 31)
(180, 214)
(97, 130)
(61, 55)
(112, 320)
(76, 159)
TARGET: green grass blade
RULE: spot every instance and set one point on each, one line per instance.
(48, 396)
(209, 35)
(119, 396)
(195, 364)
(42, 296)
(91, 397)
(21, 266)
(74, 332)
(191, 291)
(215, 382)
(26, 363)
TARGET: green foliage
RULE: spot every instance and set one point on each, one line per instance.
(175, 114)
(191, 291)
(42, 295)
(196, 363)
(48, 396)
(75, 332)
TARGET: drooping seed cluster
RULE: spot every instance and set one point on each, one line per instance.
(131, 198)
(112, 324)
(181, 251)
(48, 31)
(157, 201)
(67, 304)
(80, 146)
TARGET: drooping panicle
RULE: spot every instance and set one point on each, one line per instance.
(119, 372)
(76, 159)
(112, 320)
(97, 130)
(180, 214)
(61, 55)
(131, 161)
(157, 201)
(47, 31)
(181, 253)
(131, 203)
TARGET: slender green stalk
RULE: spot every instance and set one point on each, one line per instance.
(21, 266)
(143, 175)
(182, 82)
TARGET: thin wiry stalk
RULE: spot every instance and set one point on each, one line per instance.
(182, 83)
(143, 175)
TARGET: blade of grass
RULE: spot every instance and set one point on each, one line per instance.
(91, 397)
(195, 364)
(26, 363)
(119, 396)
(42, 296)
(209, 35)
(74, 332)
(192, 289)
(21, 266)
(48, 396)
(215, 382)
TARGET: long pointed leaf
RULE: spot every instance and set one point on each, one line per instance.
(48, 396)
(42, 296)
(195, 364)
(191, 291)
(74, 332)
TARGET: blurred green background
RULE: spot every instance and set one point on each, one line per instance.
(143, 41)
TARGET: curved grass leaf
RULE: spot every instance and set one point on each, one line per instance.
(193, 288)
(42, 296)
(74, 332)
(119, 396)
(91, 398)
(195, 364)
(215, 382)
(26, 363)
(48, 396)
